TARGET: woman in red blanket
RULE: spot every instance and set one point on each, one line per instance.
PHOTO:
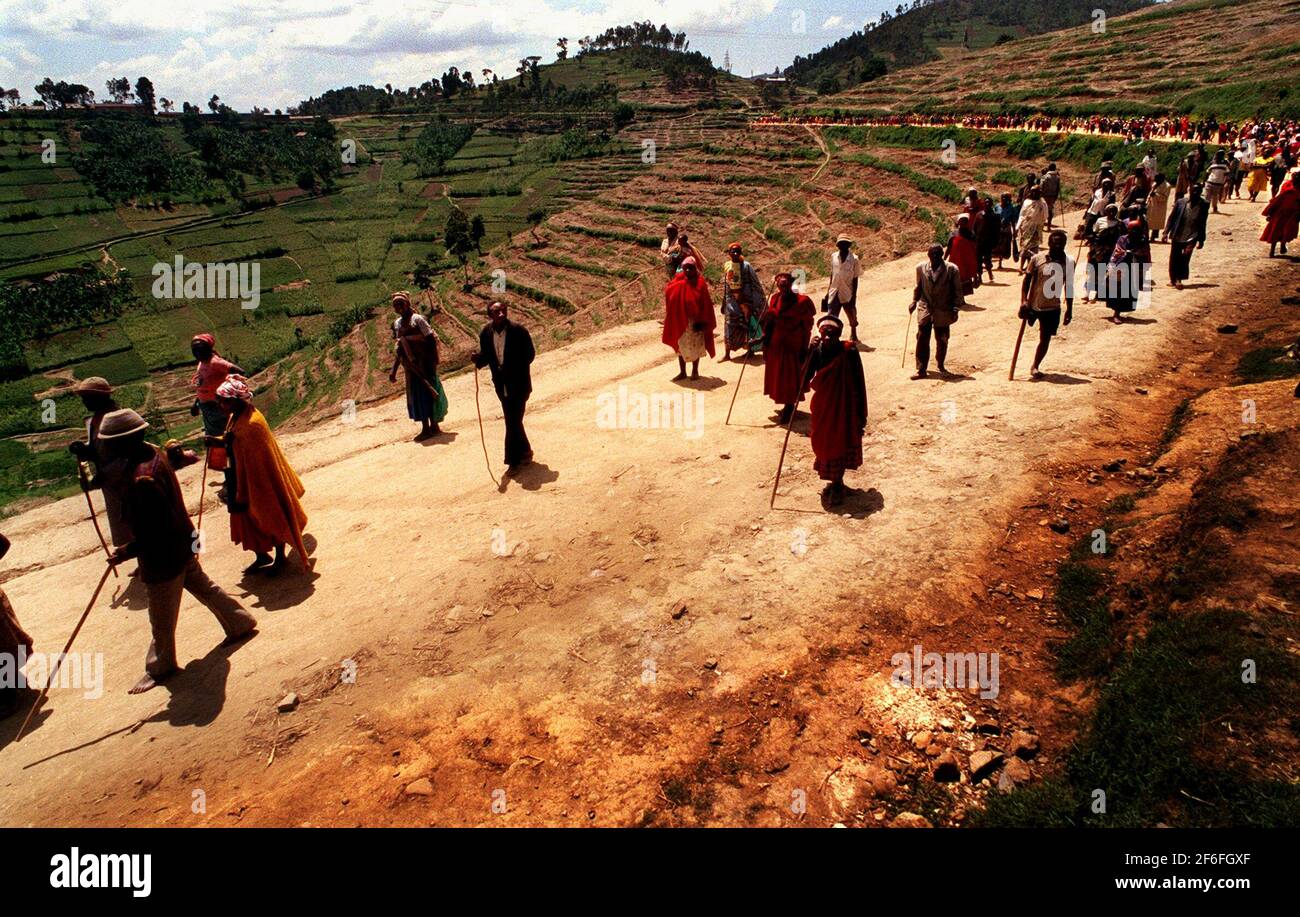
(839, 407)
(689, 320)
(1283, 213)
(787, 325)
(962, 251)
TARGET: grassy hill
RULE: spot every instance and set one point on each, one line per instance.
(1226, 58)
(933, 29)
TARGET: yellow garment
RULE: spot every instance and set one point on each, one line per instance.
(267, 486)
(1258, 176)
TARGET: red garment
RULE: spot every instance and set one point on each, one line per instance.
(209, 375)
(685, 305)
(1283, 213)
(787, 326)
(839, 413)
(961, 252)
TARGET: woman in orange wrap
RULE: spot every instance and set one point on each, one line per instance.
(265, 512)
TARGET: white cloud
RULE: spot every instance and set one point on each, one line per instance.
(832, 22)
(275, 53)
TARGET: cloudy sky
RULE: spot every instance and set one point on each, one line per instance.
(274, 53)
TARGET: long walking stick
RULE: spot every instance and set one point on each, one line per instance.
(737, 391)
(906, 329)
(789, 424)
(203, 487)
(481, 437)
(1016, 353)
(94, 520)
(59, 661)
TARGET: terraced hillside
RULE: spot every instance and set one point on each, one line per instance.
(1223, 58)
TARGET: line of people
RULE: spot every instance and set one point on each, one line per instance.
(148, 519)
(1182, 128)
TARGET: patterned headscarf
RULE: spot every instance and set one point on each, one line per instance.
(235, 386)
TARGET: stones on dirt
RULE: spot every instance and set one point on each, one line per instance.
(910, 820)
(678, 609)
(1059, 525)
(288, 703)
(983, 764)
(1014, 773)
(421, 787)
(1023, 744)
(1228, 328)
(946, 769)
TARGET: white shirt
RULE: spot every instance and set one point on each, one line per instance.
(499, 344)
(418, 323)
(843, 273)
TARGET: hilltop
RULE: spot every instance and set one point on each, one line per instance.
(1229, 59)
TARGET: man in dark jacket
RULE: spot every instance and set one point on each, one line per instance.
(1185, 233)
(506, 348)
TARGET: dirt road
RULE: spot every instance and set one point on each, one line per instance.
(518, 649)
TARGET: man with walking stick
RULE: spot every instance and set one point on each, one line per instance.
(1048, 285)
(167, 546)
(936, 300)
(838, 407)
(96, 468)
(787, 325)
(506, 348)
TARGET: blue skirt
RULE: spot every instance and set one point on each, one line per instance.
(420, 403)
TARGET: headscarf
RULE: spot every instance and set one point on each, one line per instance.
(204, 338)
(235, 386)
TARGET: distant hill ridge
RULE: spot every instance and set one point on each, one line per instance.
(914, 33)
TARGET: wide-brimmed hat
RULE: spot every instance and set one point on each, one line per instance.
(843, 238)
(117, 424)
(97, 384)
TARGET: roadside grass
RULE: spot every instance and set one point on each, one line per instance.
(1155, 743)
(1142, 746)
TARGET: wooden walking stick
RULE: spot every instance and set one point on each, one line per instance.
(1016, 353)
(907, 328)
(59, 661)
(789, 424)
(481, 437)
(737, 391)
(94, 520)
(203, 486)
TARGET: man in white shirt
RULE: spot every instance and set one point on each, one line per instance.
(843, 292)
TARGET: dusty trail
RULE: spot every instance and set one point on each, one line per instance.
(524, 640)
